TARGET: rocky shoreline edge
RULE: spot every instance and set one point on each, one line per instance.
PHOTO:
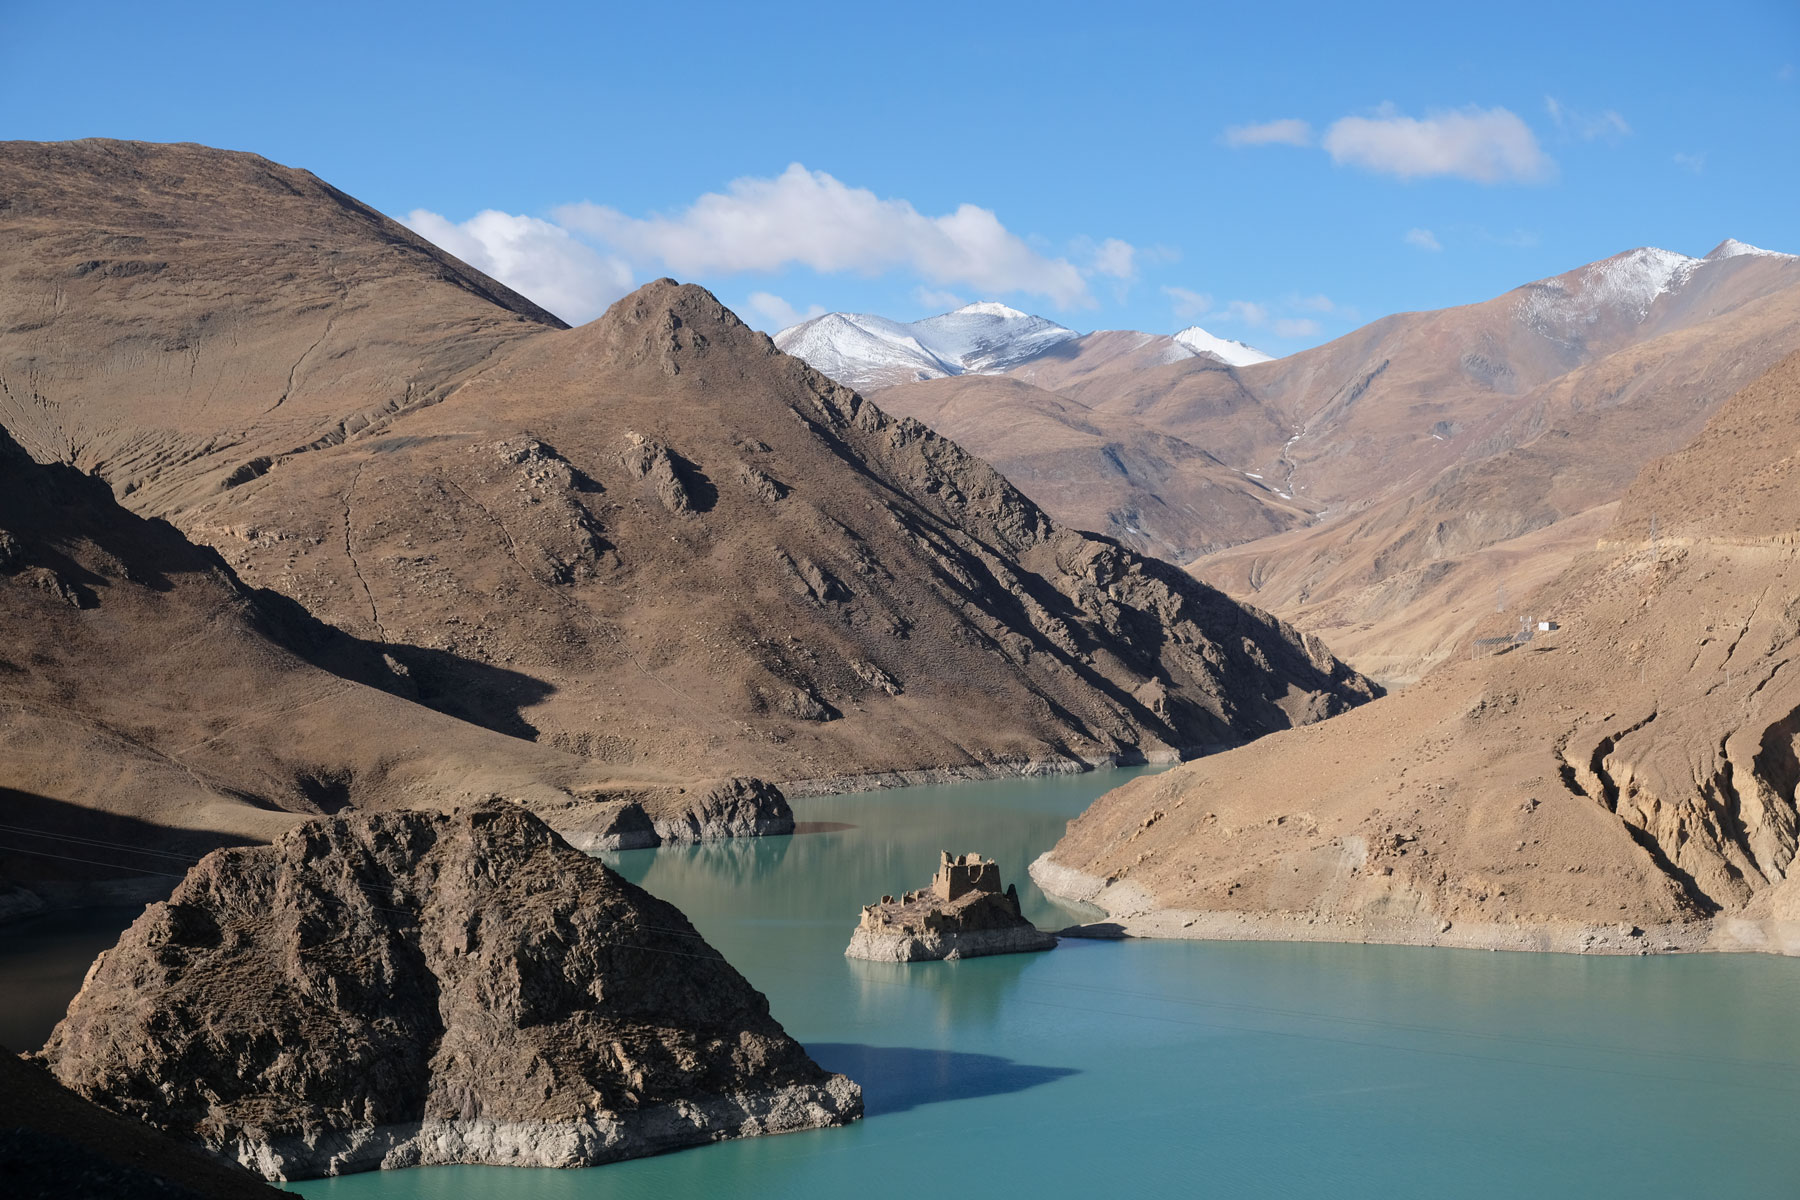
(584, 1142)
(1025, 768)
(1133, 912)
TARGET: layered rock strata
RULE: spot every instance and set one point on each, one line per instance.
(407, 989)
(962, 914)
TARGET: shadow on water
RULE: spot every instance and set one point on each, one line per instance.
(896, 1079)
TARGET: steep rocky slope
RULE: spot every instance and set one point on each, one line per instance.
(152, 707)
(407, 989)
(1398, 581)
(1157, 494)
(653, 541)
(1623, 783)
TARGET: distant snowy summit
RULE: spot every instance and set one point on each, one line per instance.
(1232, 354)
(1624, 286)
(862, 350)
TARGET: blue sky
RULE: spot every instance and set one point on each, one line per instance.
(1078, 161)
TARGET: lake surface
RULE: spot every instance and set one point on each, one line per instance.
(1188, 1068)
(1248, 1069)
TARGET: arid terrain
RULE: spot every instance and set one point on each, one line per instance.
(1622, 783)
(654, 539)
(1389, 489)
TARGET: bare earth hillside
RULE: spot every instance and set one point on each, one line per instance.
(653, 541)
(1147, 490)
(152, 707)
(1624, 783)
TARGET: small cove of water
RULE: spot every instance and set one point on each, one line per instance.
(1182, 1068)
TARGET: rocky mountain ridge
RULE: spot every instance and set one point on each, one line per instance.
(653, 542)
(1622, 783)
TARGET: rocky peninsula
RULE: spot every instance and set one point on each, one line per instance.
(405, 989)
(962, 914)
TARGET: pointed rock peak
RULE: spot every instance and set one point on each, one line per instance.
(990, 308)
(1234, 354)
(664, 321)
(1732, 248)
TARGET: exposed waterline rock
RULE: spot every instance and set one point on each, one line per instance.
(962, 914)
(407, 989)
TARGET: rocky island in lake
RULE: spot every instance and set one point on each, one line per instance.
(963, 914)
(404, 989)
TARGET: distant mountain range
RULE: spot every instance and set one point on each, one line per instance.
(870, 352)
(1377, 489)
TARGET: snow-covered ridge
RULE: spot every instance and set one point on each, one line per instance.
(1625, 285)
(860, 349)
(985, 338)
(1232, 354)
(1732, 248)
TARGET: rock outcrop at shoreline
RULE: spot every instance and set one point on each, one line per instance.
(962, 914)
(408, 989)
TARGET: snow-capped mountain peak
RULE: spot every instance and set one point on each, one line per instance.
(987, 308)
(862, 350)
(1732, 248)
(1625, 285)
(1232, 354)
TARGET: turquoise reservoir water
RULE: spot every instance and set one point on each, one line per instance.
(1195, 1069)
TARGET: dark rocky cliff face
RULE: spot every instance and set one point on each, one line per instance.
(406, 989)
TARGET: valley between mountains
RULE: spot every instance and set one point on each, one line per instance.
(353, 601)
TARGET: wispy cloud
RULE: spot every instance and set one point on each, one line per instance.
(1187, 303)
(773, 314)
(808, 218)
(533, 257)
(1695, 163)
(1424, 239)
(1484, 145)
(936, 299)
(1290, 131)
(1587, 126)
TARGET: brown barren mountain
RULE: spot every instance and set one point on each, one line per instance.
(152, 707)
(1398, 582)
(1154, 493)
(703, 556)
(1624, 783)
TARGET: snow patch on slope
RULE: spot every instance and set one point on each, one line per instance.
(1232, 354)
(860, 349)
(1732, 248)
(1625, 285)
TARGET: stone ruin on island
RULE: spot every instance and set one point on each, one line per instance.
(961, 914)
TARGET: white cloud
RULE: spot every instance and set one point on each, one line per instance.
(1295, 327)
(1115, 258)
(1485, 145)
(1424, 239)
(811, 219)
(1585, 125)
(533, 257)
(936, 300)
(1188, 303)
(1288, 132)
(777, 314)
(1317, 302)
(1691, 162)
(1249, 312)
